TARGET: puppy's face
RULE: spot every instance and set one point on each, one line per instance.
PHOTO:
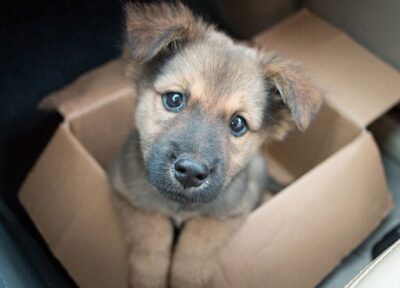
(205, 104)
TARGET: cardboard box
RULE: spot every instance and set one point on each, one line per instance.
(337, 197)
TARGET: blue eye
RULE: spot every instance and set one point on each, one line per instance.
(174, 101)
(238, 126)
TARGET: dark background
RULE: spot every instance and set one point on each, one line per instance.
(44, 46)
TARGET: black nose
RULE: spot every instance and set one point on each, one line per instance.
(191, 172)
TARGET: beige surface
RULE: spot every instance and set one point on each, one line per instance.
(383, 272)
(374, 24)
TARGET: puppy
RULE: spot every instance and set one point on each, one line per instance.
(205, 105)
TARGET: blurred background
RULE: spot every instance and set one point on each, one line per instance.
(46, 44)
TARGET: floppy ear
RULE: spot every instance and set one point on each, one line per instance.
(152, 29)
(292, 98)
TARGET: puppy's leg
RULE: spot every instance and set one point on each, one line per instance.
(195, 256)
(149, 237)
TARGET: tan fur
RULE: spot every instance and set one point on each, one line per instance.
(169, 22)
(149, 237)
(301, 97)
(223, 78)
(200, 242)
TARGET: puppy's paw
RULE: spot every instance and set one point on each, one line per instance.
(147, 270)
(196, 256)
(149, 239)
(194, 271)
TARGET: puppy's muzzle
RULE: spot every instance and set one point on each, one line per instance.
(191, 172)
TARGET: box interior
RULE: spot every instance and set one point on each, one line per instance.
(302, 151)
(103, 129)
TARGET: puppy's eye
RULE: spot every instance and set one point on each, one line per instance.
(174, 101)
(238, 126)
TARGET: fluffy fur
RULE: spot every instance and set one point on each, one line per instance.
(168, 49)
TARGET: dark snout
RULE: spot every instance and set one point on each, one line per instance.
(187, 162)
(191, 172)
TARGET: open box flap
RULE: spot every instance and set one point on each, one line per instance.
(345, 194)
(90, 90)
(361, 86)
(74, 213)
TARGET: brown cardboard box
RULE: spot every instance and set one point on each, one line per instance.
(338, 195)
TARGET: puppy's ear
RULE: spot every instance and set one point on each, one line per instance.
(291, 96)
(152, 29)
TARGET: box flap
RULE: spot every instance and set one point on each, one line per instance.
(74, 213)
(306, 230)
(100, 85)
(93, 129)
(361, 86)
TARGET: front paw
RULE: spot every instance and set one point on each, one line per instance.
(192, 271)
(148, 270)
(195, 260)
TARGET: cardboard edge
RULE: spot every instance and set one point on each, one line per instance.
(92, 88)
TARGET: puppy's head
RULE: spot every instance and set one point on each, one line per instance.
(206, 104)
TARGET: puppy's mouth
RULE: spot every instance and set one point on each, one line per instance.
(181, 191)
(189, 195)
